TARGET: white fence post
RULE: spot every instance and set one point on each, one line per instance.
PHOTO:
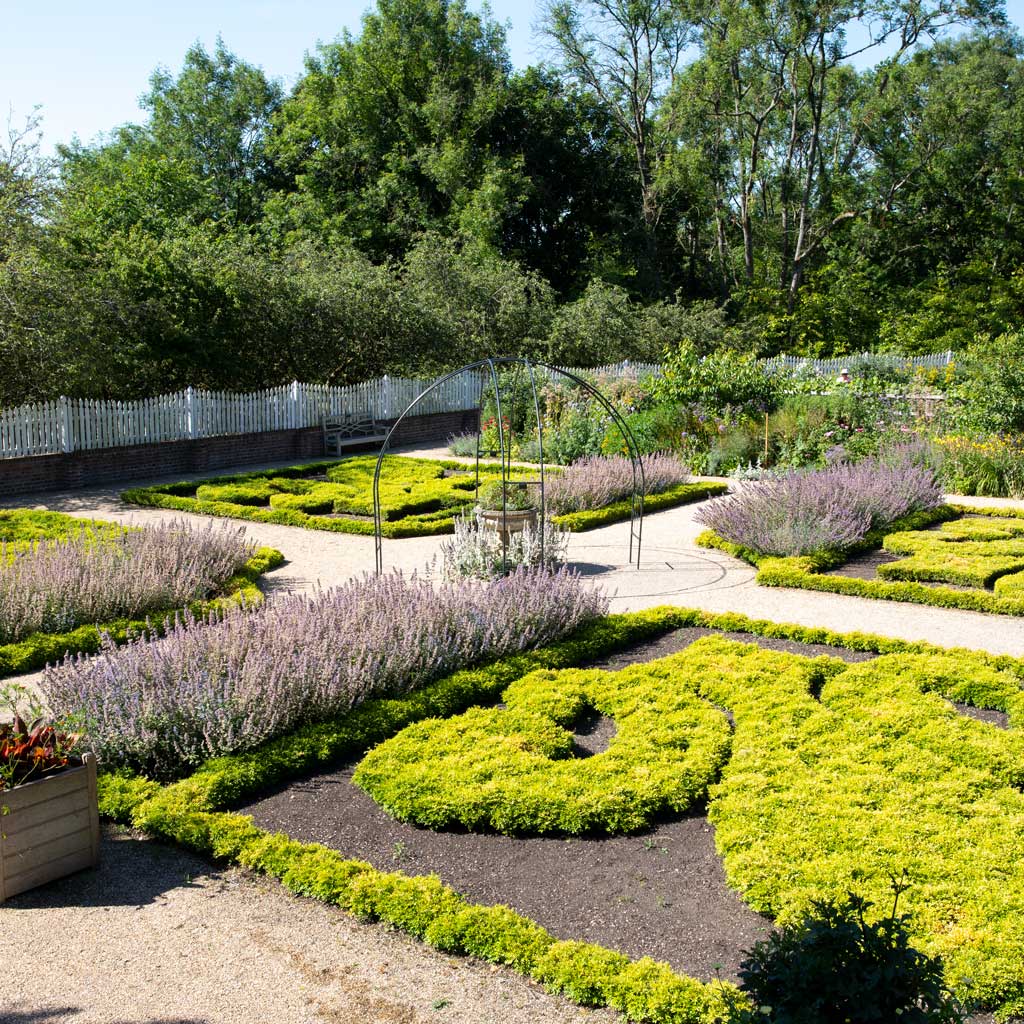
(66, 441)
(386, 398)
(190, 425)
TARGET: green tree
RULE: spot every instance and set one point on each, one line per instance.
(474, 303)
(628, 52)
(380, 135)
(213, 120)
(26, 183)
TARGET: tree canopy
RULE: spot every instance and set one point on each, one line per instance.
(819, 176)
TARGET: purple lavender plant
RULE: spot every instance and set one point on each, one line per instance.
(238, 678)
(54, 586)
(596, 481)
(802, 512)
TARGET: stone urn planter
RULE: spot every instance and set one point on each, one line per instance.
(509, 522)
(49, 828)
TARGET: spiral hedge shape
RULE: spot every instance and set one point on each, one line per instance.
(511, 769)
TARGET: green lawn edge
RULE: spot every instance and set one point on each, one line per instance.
(807, 572)
(38, 649)
(191, 812)
(169, 496)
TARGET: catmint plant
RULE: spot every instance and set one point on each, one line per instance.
(596, 481)
(232, 680)
(54, 586)
(804, 511)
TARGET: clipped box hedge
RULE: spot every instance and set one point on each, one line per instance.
(194, 812)
(811, 572)
(421, 504)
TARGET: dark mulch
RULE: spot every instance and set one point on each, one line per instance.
(661, 893)
(1000, 719)
(864, 567)
(680, 639)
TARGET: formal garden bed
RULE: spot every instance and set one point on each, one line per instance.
(804, 758)
(68, 584)
(953, 556)
(878, 528)
(419, 497)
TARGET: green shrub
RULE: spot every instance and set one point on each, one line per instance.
(417, 499)
(835, 965)
(512, 770)
(988, 395)
(24, 526)
(719, 380)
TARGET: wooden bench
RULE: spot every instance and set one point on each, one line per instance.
(351, 429)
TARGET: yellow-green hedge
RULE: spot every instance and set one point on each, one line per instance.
(811, 572)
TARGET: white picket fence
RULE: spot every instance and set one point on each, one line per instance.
(863, 360)
(74, 424)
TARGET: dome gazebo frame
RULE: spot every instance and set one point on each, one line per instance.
(489, 368)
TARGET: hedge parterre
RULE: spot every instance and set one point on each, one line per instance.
(419, 497)
(511, 769)
(817, 742)
(964, 553)
(67, 582)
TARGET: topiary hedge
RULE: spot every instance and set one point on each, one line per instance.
(933, 559)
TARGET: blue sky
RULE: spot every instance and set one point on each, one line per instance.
(86, 64)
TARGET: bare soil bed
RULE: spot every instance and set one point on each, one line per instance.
(661, 893)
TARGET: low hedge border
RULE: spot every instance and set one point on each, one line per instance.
(843, 781)
(808, 572)
(191, 812)
(177, 496)
(37, 650)
(681, 494)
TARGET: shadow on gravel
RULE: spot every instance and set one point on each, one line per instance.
(38, 1016)
(48, 1014)
(132, 872)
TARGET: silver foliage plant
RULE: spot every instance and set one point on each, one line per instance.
(475, 552)
(54, 586)
(596, 481)
(804, 511)
(238, 678)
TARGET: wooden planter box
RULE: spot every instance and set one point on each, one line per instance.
(48, 828)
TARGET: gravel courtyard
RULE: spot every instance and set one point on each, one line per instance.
(158, 935)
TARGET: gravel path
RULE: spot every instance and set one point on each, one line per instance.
(156, 935)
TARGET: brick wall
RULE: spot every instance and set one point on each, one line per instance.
(143, 461)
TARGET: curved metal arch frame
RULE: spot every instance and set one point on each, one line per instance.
(637, 508)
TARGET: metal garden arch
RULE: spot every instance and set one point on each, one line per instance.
(491, 365)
